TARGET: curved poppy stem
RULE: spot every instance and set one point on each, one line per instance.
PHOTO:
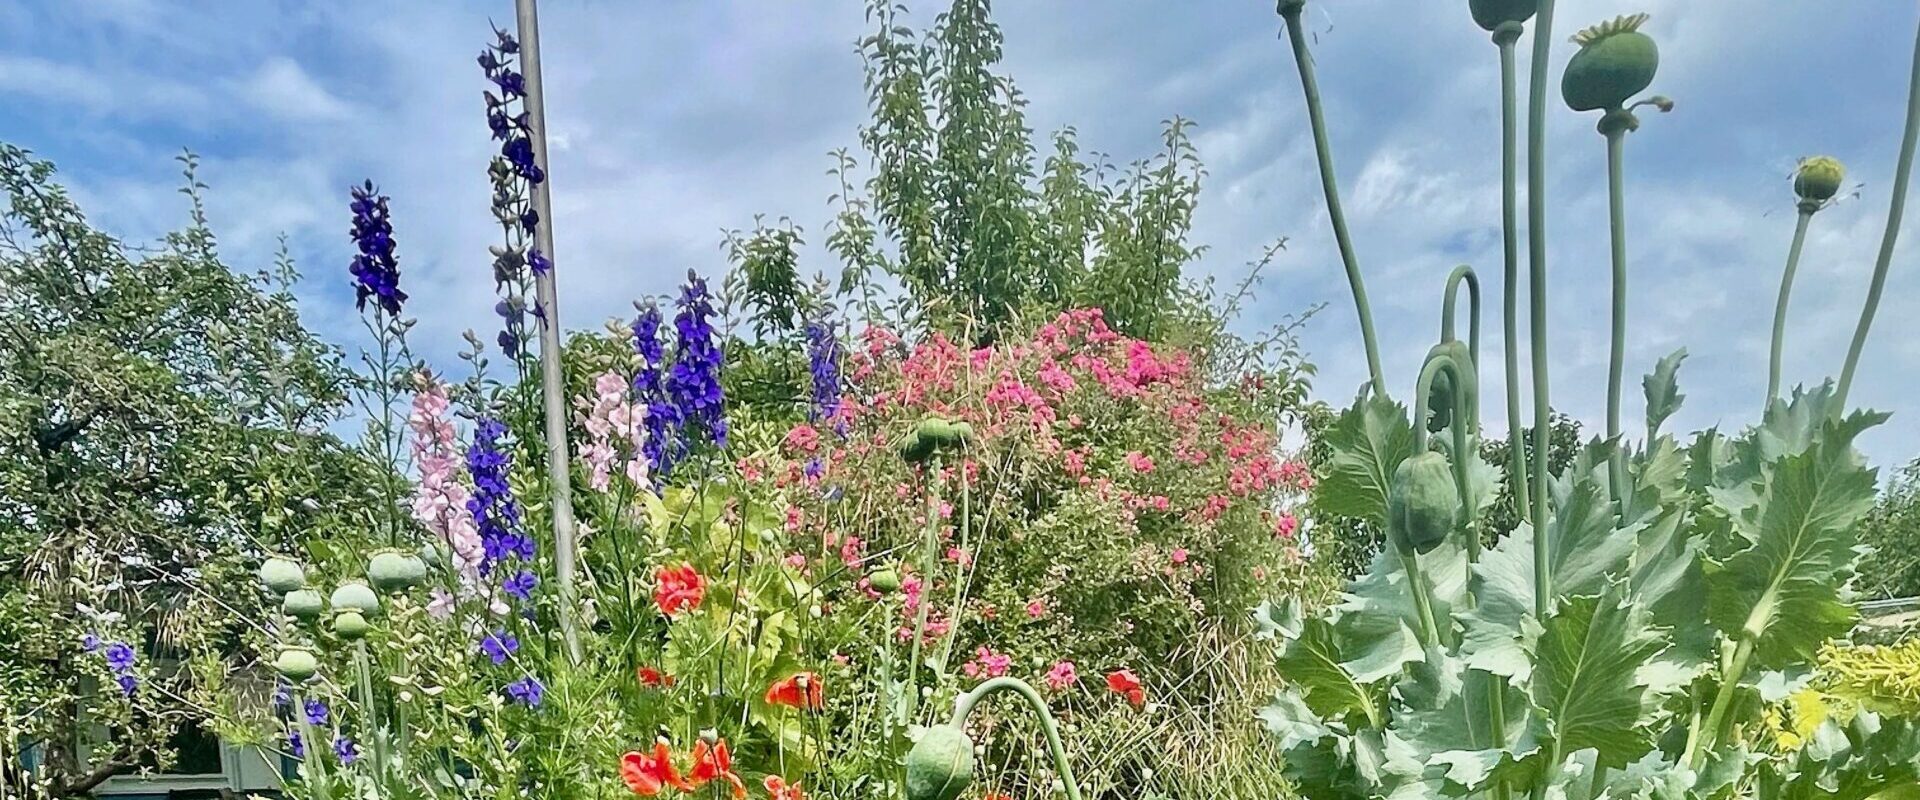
(1459, 274)
(963, 707)
(1895, 208)
(1330, 187)
(927, 562)
(1780, 306)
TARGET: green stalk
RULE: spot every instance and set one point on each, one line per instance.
(964, 706)
(1451, 300)
(1780, 306)
(931, 541)
(316, 769)
(1537, 299)
(1504, 37)
(375, 729)
(1296, 35)
(1698, 745)
(1895, 208)
(1615, 125)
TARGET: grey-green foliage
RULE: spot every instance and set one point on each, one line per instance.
(1893, 531)
(958, 212)
(1624, 688)
(162, 422)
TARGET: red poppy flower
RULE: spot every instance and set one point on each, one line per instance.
(779, 789)
(647, 774)
(678, 589)
(650, 676)
(1125, 683)
(714, 763)
(801, 690)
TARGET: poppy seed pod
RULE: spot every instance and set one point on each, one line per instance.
(884, 581)
(282, 575)
(296, 664)
(936, 430)
(1818, 178)
(1289, 8)
(1491, 14)
(355, 596)
(962, 433)
(1423, 502)
(395, 571)
(1615, 62)
(303, 604)
(351, 626)
(915, 448)
(940, 765)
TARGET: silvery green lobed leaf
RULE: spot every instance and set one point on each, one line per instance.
(1368, 442)
(1663, 390)
(1586, 676)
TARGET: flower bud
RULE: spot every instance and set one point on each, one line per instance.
(1423, 502)
(350, 625)
(296, 664)
(395, 571)
(1615, 62)
(1818, 178)
(355, 596)
(282, 575)
(303, 604)
(940, 765)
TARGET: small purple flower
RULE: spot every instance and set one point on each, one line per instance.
(376, 273)
(90, 643)
(527, 690)
(119, 657)
(282, 694)
(345, 750)
(128, 683)
(316, 712)
(539, 262)
(295, 745)
(823, 364)
(499, 646)
(521, 585)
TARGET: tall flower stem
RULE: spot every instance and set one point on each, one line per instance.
(1780, 305)
(1504, 37)
(963, 707)
(1895, 208)
(363, 668)
(1296, 35)
(315, 768)
(1615, 126)
(925, 600)
(553, 401)
(1537, 301)
(1450, 302)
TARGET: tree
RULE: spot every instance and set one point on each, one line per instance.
(163, 421)
(1893, 531)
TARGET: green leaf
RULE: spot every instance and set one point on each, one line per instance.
(1283, 619)
(1289, 718)
(1378, 618)
(1663, 391)
(1803, 549)
(1448, 722)
(1368, 442)
(1313, 665)
(1587, 676)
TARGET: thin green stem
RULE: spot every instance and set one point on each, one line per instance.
(1537, 297)
(1296, 35)
(376, 730)
(1510, 247)
(1450, 301)
(1617, 352)
(1895, 208)
(927, 562)
(1780, 306)
(964, 706)
(1722, 702)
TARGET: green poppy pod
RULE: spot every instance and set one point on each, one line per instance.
(282, 575)
(395, 571)
(963, 433)
(940, 765)
(355, 596)
(884, 581)
(1423, 502)
(1491, 14)
(303, 604)
(296, 664)
(351, 625)
(937, 430)
(1615, 62)
(915, 448)
(1818, 178)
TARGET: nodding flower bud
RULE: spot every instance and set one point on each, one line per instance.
(940, 765)
(1818, 178)
(282, 575)
(1615, 62)
(1491, 14)
(1423, 502)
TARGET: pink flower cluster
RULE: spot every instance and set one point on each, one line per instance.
(440, 498)
(616, 428)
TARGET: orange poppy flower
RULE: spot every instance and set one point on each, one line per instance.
(650, 676)
(714, 763)
(779, 789)
(678, 589)
(800, 690)
(647, 774)
(1125, 683)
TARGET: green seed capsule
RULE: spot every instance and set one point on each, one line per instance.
(1490, 14)
(303, 604)
(884, 581)
(936, 430)
(355, 596)
(915, 448)
(962, 433)
(282, 575)
(296, 664)
(351, 626)
(1818, 178)
(1615, 62)
(395, 571)
(1423, 501)
(940, 765)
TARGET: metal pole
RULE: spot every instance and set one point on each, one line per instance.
(559, 465)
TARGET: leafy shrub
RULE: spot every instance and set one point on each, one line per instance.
(1893, 531)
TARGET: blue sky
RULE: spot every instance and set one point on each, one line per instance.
(675, 120)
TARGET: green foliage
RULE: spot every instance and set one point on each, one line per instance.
(163, 422)
(1892, 529)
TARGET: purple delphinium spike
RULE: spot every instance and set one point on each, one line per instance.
(513, 172)
(693, 383)
(527, 690)
(823, 365)
(661, 447)
(495, 512)
(376, 272)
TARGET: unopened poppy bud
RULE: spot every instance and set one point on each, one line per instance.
(884, 581)
(1422, 502)
(940, 765)
(1615, 62)
(1818, 178)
